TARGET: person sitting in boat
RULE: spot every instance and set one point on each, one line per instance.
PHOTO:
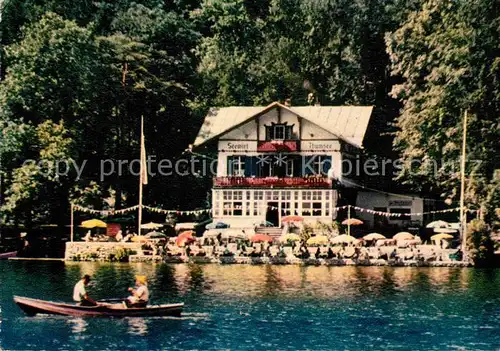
(80, 292)
(140, 295)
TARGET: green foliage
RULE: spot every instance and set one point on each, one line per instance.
(449, 63)
(479, 243)
(78, 75)
(121, 255)
(306, 232)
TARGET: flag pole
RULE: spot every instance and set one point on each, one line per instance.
(72, 221)
(463, 218)
(348, 220)
(140, 179)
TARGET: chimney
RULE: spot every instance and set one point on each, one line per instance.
(288, 102)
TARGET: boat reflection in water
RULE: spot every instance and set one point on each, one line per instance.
(137, 326)
(78, 325)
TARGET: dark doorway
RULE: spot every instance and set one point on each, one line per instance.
(272, 214)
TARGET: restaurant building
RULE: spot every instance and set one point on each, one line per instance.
(280, 160)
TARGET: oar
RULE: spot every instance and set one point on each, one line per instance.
(112, 300)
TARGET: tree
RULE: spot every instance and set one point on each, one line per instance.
(449, 63)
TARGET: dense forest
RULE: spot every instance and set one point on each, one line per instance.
(76, 77)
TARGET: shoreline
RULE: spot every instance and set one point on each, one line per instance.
(241, 260)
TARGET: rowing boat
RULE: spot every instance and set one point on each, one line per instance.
(33, 306)
(7, 255)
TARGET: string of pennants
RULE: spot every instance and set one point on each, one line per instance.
(198, 212)
(390, 214)
(133, 208)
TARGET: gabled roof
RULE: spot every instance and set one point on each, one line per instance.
(348, 123)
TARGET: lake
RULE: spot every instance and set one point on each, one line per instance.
(244, 307)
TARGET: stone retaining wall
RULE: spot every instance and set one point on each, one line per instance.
(105, 251)
(100, 251)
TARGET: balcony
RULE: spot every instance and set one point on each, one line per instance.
(271, 182)
(277, 146)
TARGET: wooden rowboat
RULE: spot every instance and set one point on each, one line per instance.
(7, 255)
(33, 306)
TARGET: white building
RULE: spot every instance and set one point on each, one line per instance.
(389, 203)
(273, 161)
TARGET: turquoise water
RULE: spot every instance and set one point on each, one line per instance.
(261, 307)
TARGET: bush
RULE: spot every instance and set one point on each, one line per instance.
(306, 232)
(120, 255)
(479, 243)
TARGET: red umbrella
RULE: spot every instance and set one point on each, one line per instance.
(292, 219)
(257, 238)
(185, 238)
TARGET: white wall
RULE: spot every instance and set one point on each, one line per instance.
(248, 131)
(370, 200)
(313, 131)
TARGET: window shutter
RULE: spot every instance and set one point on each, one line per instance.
(248, 166)
(327, 161)
(230, 162)
(308, 165)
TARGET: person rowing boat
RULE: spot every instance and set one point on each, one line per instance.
(80, 294)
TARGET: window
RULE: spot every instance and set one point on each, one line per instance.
(233, 204)
(279, 132)
(256, 208)
(228, 211)
(316, 208)
(286, 195)
(259, 195)
(285, 208)
(306, 209)
(247, 209)
(217, 209)
(236, 166)
(238, 195)
(238, 209)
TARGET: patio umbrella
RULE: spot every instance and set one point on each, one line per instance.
(441, 236)
(343, 239)
(438, 224)
(445, 230)
(290, 237)
(151, 225)
(155, 235)
(234, 234)
(292, 219)
(318, 240)
(139, 239)
(373, 236)
(257, 238)
(185, 238)
(217, 225)
(352, 221)
(93, 223)
(403, 236)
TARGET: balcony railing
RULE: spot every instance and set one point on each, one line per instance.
(278, 146)
(268, 182)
